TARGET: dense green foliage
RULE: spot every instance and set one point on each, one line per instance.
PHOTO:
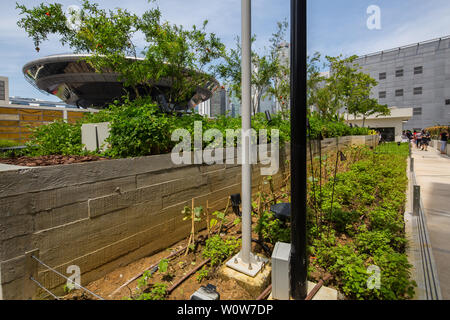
(179, 55)
(139, 128)
(56, 138)
(358, 222)
(333, 127)
(369, 206)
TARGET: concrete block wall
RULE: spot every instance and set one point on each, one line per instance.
(103, 215)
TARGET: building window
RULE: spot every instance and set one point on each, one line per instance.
(382, 94)
(399, 73)
(382, 76)
(417, 111)
(399, 93)
(447, 102)
(2, 90)
(418, 90)
(418, 70)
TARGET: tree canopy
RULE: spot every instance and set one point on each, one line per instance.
(172, 54)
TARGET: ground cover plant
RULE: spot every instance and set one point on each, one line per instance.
(355, 221)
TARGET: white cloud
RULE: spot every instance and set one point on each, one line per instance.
(425, 26)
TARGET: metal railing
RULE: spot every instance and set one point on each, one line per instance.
(63, 276)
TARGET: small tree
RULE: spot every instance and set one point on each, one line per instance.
(346, 87)
(280, 83)
(358, 101)
(267, 71)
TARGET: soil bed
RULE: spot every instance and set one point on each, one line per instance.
(49, 160)
(179, 266)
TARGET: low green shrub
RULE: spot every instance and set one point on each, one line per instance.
(218, 249)
(9, 143)
(56, 138)
(272, 229)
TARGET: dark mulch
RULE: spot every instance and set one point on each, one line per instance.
(50, 160)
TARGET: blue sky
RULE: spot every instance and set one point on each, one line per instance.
(334, 27)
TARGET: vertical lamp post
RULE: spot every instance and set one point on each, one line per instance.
(298, 259)
(245, 261)
(246, 126)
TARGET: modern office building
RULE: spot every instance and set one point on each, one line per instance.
(218, 102)
(417, 76)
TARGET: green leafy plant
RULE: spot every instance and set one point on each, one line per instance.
(157, 292)
(56, 138)
(143, 281)
(204, 273)
(272, 229)
(218, 249)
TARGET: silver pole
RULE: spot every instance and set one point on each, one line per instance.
(246, 126)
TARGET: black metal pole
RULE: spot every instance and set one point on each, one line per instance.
(298, 263)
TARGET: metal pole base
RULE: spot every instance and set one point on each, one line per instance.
(251, 269)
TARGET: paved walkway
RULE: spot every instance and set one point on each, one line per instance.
(433, 175)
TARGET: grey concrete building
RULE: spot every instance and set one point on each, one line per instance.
(4, 90)
(417, 76)
(218, 102)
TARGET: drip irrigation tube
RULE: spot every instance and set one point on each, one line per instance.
(173, 254)
(265, 293)
(317, 288)
(187, 276)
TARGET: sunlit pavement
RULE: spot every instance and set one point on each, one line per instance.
(433, 175)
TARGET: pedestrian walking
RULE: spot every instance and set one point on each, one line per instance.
(405, 138)
(418, 136)
(444, 140)
(409, 135)
(426, 138)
